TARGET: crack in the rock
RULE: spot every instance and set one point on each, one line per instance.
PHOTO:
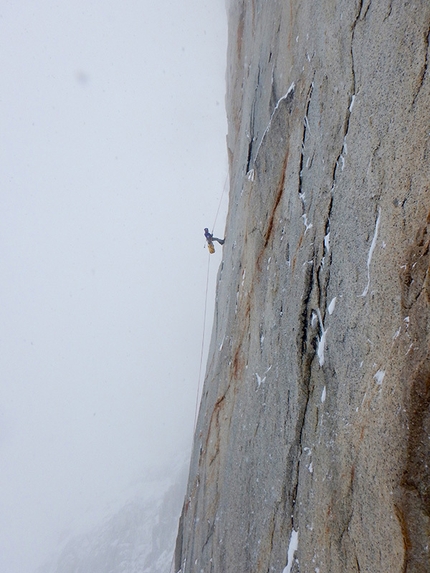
(423, 72)
(358, 564)
(305, 119)
(210, 533)
(299, 441)
(248, 160)
(323, 270)
(251, 131)
(305, 130)
(304, 340)
(340, 157)
(390, 9)
(307, 356)
(272, 535)
(363, 10)
(286, 98)
(251, 134)
(304, 318)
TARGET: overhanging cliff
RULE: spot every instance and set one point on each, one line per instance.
(312, 446)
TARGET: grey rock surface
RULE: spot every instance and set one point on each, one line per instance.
(312, 446)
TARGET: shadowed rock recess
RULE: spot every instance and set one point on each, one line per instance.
(312, 446)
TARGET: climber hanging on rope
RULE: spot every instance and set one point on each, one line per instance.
(210, 240)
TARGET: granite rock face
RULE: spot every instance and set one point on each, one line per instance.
(312, 446)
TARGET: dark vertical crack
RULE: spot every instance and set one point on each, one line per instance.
(252, 124)
(423, 72)
(307, 353)
(248, 160)
(364, 8)
(323, 271)
(272, 535)
(360, 15)
(390, 9)
(305, 130)
(304, 314)
(357, 564)
(251, 135)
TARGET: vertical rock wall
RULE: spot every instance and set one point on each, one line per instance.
(312, 447)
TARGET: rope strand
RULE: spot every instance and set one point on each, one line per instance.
(219, 204)
(205, 310)
(203, 343)
(203, 336)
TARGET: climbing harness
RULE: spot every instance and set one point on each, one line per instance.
(210, 241)
(211, 251)
(209, 235)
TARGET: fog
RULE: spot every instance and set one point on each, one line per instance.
(113, 160)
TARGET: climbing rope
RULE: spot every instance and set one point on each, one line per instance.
(203, 342)
(172, 568)
(220, 201)
(205, 311)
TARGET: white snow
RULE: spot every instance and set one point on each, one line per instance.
(343, 154)
(314, 319)
(323, 395)
(290, 89)
(321, 343)
(379, 376)
(352, 103)
(260, 380)
(306, 224)
(243, 276)
(332, 305)
(292, 548)
(327, 242)
(372, 248)
(321, 346)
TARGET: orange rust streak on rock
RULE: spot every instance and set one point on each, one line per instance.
(402, 522)
(279, 192)
(299, 244)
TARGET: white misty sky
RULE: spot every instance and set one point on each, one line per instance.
(113, 160)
